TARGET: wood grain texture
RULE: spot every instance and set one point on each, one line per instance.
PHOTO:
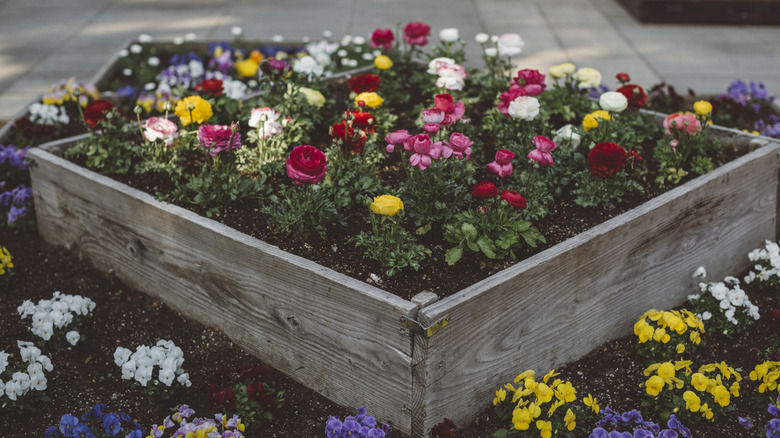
(339, 336)
(557, 306)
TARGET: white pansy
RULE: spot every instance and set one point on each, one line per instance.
(127, 72)
(145, 38)
(341, 53)
(3, 361)
(166, 377)
(700, 272)
(123, 53)
(184, 379)
(136, 48)
(128, 370)
(277, 38)
(143, 375)
(178, 41)
(39, 383)
(359, 40)
(693, 297)
(705, 316)
(12, 390)
(45, 362)
(346, 40)
(73, 337)
(153, 61)
(367, 56)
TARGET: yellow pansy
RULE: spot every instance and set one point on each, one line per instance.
(566, 392)
(382, 62)
(525, 375)
(591, 401)
(545, 428)
(543, 393)
(692, 401)
(521, 418)
(721, 395)
(700, 381)
(666, 370)
(654, 385)
(569, 420)
(500, 396)
(706, 412)
(247, 68)
(386, 205)
(680, 349)
(549, 376)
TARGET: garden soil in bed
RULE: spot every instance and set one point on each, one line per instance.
(85, 374)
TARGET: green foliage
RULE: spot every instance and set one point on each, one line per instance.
(351, 179)
(436, 194)
(591, 191)
(390, 244)
(114, 150)
(301, 211)
(219, 183)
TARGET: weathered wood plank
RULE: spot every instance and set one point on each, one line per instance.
(334, 334)
(560, 304)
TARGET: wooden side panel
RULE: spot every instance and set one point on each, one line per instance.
(341, 337)
(560, 304)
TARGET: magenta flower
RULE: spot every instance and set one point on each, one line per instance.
(306, 165)
(508, 96)
(542, 153)
(396, 138)
(460, 145)
(423, 151)
(219, 138)
(432, 118)
(531, 81)
(453, 111)
(503, 164)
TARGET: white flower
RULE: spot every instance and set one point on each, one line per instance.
(122, 53)
(367, 56)
(236, 31)
(23, 379)
(150, 86)
(436, 63)
(718, 290)
(143, 375)
(587, 77)
(725, 304)
(265, 120)
(706, 316)
(524, 108)
(166, 377)
(494, 38)
(136, 48)
(358, 40)
(129, 369)
(34, 369)
(178, 41)
(568, 132)
(753, 311)
(346, 40)
(730, 314)
(451, 77)
(2, 388)
(309, 67)
(613, 101)
(153, 61)
(45, 362)
(73, 337)
(327, 33)
(13, 390)
(341, 53)
(491, 52)
(277, 38)
(449, 35)
(184, 379)
(127, 72)
(3, 361)
(145, 38)
(38, 383)
(693, 297)
(700, 272)
(482, 38)
(26, 309)
(510, 44)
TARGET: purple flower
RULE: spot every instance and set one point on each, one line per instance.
(667, 433)
(51, 432)
(773, 428)
(82, 431)
(598, 432)
(351, 428)
(641, 433)
(67, 423)
(376, 433)
(111, 424)
(333, 427)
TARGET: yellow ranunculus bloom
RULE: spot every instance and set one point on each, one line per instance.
(371, 99)
(561, 70)
(654, 385)
(382, 62)
(692, 401)
(702, 107)
(545, 428)
(247, 68)
(591, 121)
(386, 205)
(193, 109)
(313, 97)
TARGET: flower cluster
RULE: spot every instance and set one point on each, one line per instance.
(18, 382)
(773, 426)
(361, 425)
(724, 305)
(662, 333)
(181, 425)
(451, 75)
(15, 202)
(767, 373)
(545, 404)
(140, 365)
(70, 90)
(630, 424)
(713, 385)
(766, 271)
(6, 262)
(246, 392)
(60, 312)
(96, 421)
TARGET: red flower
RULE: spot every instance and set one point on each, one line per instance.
(96, 111)
(453, 111)
(221, 375)
(485, 189)
(623, 78)
(514, 199)
(255, 390)
(382, 38)
(226, 398)
(363, 120)
(212, 87)
(508, 96)
(606, 159)
(306, 165)
(350, 140)
(443, 429)
(635, 95)
(415, 33)
(364, 83)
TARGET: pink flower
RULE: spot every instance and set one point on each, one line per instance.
(542, 153)
(503, 164)
(396, 138)
(531, 81)
(265, 120)
(508, 96)
(416, 33)
(432, 118)
(382, 38)
(158, 128)
(451, 76)
(682, 122)
(460, 146)
(306, 165)
(219, 138)
(423, 151)
(452, 111)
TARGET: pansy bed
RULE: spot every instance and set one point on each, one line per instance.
(411, 358)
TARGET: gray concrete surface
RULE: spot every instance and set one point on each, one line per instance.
(43, 41)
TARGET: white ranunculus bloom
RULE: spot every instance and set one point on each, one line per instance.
(449, 35)
(510, 44)
(491, 52)
(482, 38)
(358, 40)
(613, 101)
(524, 108)
(568, 133)
(436, 63)
(308, 66)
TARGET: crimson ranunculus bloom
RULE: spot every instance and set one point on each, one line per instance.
(382, 38)
(306, 165)
(514, 199)
(364, 83)
(363, 120)
(606, 159)
(212, 87)
(351, 140)
(485, 189)
(623, 78)
(508, 96)
(452, 110)
(635, 95)
(96, 111)
(532, 81)
(416, 33)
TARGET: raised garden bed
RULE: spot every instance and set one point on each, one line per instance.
(415, 362)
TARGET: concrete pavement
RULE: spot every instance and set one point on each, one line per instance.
(43, 41)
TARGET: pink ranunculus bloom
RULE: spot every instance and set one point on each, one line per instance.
(444, 148)
(306, 165)
(542, 153)
(416, 33)
(382, 38)
(453, 111)
(683, 123)
(423, 151)
(265, 120)
(432, 118)
(508, 96)
(219, 138)
(460, 145)
(159, 128)
(503, 164)
(531, 81)
(396, 138)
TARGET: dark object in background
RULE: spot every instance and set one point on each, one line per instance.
(704, 11)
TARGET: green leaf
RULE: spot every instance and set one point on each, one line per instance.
(453, 255)
(501, 433)
(470, 231)
(487, 246)
(423, 229)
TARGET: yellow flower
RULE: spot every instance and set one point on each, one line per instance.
(591, 120)
(247, 68)
(521, 418)
(5, 260)
(561, 70)
(386, 205)
(371, 99)
(721, 395)
(549, 376)
(680, 348)
(545, 428)
(554, 407)
(524, 375)
(692, 401)
(706, 412)
(702, 107)
(660, 335)
(666, 370)
(566, 392)
(500, 396)
(543, 393)
(569, 420)
(256, 56)
(734, 389)
(654, 385)
(592, 402)
(700, 381)
(313, 97)
(695, 337)
(382, 62)
(193, 109)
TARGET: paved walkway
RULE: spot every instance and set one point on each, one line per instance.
(43, 41)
